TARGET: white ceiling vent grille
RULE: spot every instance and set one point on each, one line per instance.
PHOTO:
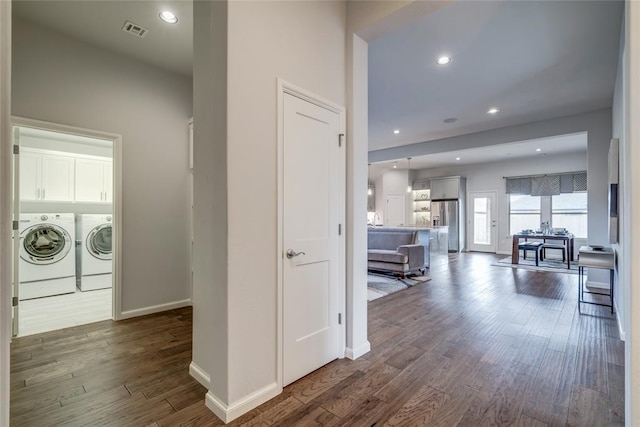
(135, 29)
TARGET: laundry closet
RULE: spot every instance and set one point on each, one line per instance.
(65, 186)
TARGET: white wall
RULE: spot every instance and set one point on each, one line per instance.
(308, 50)
(66, 81)
(210, 301)
(489, 177)
(304, 44)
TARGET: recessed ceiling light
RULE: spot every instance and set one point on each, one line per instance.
(493, 111)
(451, 120)
(397, 131)
(395, 165)
(443, 60)
(538, 149)
(457, 158)
(168, 17)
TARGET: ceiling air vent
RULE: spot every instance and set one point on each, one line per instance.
(135, 29)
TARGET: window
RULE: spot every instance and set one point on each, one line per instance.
(524, 213)
(570, 211)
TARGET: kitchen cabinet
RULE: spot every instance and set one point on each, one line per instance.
(45, 176)
(445, 188)
(94, 180)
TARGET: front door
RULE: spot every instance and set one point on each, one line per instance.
(313, 177)
(482, 221)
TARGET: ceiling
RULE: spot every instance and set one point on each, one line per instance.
(534, 60)
(166, 46)
(565, 144)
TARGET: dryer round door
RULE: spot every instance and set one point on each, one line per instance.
(44, 244)
(99, 242)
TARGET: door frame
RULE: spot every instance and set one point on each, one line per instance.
(284, 87)
(495, 216)
(116, 304)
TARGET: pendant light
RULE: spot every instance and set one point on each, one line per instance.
(369, 189)
(409, 189)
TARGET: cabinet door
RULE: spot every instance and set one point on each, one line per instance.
(30, 175)
(89, 180)
(447, 188)
(57, 178)
(108, 182)
(451, 188)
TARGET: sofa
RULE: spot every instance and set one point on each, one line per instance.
(395, 250)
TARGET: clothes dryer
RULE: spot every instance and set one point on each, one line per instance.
(47, 263)
(94, 259)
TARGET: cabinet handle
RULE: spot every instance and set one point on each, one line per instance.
(37, 194)
(43, 193)
(101, 196)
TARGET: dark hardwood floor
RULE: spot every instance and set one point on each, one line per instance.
(477, 345)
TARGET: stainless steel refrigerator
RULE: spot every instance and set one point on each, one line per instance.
(447, 213)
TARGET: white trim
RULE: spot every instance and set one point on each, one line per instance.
(353, 354)
(6, 174)
(199, 375)
(503, 253)
(116, 139)
(154, 309)
(288, 88)
(228, 413)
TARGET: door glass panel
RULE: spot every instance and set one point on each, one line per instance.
(44, 242)
(101, 241)
(481, 221)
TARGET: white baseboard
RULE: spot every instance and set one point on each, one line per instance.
(503, 253)
(354, 353)
(154, 309)
(599, 285)
(199, 375)
(228, 413)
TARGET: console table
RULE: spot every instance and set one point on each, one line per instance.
(592, 258)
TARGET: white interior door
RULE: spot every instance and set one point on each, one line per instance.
(483, 221)
(313, 175)
(396, 210)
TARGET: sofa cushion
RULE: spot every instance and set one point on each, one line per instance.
(389, 240)
(383, 255)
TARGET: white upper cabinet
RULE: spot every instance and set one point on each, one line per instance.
(30, 175)
(53, 176)
(445, 188)
(46, 176)
(89, 180)
(94, 180)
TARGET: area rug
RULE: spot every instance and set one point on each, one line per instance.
(380, 285)
(549, 264)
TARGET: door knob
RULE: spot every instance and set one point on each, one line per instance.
(291, 253)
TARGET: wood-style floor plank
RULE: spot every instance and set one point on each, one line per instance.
(477, 345)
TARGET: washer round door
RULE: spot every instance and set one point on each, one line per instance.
(99, 242)
(44, 244)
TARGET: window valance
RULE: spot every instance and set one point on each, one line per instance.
(547, 185)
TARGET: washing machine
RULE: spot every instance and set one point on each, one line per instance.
(94, 260)
(47, 261)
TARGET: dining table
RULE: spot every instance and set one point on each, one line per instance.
(566, 238)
